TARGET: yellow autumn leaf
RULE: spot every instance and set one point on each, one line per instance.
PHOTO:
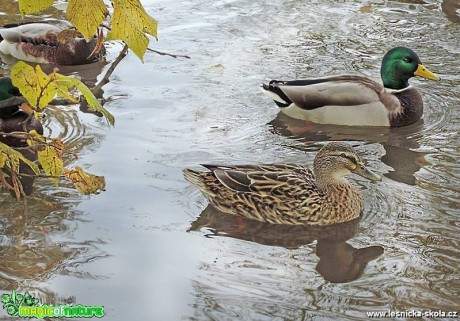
(129, 23)
(10, 157)
(49, 155)
(85, 183)
(86, 92)
(37, 87)
(86, 15)
(51, 163)
(32, 6)
(146, 23)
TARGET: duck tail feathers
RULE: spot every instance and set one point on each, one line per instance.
(195, 178)
(273, 91)
(192, 176)
(199, 180)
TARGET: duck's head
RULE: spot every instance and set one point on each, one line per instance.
(7, 90)
(337, 159)
(399, 65)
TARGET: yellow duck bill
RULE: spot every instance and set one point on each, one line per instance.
(422, 71)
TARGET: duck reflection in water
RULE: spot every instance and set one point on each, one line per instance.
(398, 142)
(451, 9)
(339, 262)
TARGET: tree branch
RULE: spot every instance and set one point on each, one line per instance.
(109, 72)
(161, 53)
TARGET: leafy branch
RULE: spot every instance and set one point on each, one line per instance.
(162, 53)
(127, 21)
(130, 21)
(39, 89)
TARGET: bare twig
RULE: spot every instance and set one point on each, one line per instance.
(103, 25)
(41, 176)
(109, 72)
(161, 53)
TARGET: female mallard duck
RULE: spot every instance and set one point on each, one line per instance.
(54, 42)
(288, 193)
(357, 100)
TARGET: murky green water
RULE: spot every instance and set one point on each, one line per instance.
(143, 250)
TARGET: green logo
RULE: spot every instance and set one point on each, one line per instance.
(28, 306)
(13, 302)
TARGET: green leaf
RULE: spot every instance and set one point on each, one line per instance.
(32, 6)
(86, 15)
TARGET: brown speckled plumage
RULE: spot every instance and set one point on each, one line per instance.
(287, 193)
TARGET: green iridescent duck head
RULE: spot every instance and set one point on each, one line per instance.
(7, 90)
(399, 65)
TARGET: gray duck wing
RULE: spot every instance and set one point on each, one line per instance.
(344, 90)
(260, 167)
(35, 33)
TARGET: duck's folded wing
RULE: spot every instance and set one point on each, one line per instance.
(36, 33)
(282, 167)
(278, 184)
(345, 90)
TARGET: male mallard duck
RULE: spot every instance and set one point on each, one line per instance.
(12, 119)
(54, 42)
(7, 90)
(288, 193)
(357, 100)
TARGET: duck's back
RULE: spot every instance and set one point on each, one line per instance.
(273, 193)
(339, 100)
(41, 43)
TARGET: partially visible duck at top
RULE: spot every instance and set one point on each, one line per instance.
(356, 100)
(54, 42)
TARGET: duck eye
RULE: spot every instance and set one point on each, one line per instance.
(350, 158)
(407, 59)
